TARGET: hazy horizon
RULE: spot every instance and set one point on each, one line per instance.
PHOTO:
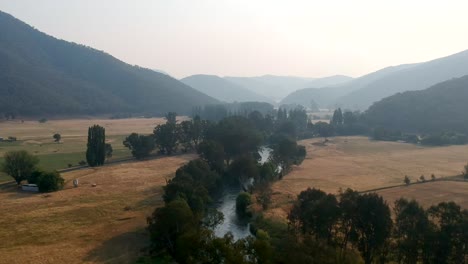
(246, 38)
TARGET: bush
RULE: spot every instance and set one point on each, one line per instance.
(50, 182)
(42, 120)
(82, 163)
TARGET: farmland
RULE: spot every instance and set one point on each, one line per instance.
(37, 138)
(363, 164)
(87, 224)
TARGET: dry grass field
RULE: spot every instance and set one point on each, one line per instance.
(37, 138)
(430, 193)
(102, 224)
(362, 164)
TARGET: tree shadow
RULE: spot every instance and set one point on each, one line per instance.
(124, 248)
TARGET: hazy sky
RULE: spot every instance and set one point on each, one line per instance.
(255, 37)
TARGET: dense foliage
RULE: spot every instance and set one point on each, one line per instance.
(96, 147)
(438, 109)
(19, 165)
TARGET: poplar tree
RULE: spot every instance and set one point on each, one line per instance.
(96, 152)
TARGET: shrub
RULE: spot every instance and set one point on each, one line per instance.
(82, 163)
(50, 182)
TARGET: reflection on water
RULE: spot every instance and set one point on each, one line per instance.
(227, 205)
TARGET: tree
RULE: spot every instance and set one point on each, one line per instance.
(243, 201)
(166, 137)
(411, 228)
(315, 212)
(171, 117)
(170, 222)
(213, 153)
(337, 118)
(422, 178)
(57, 137)
(50, 181)
(96, 152)
(372, 225)
(140, 145)
(465, 172)
(19, 164)
(109, 150)
(407, 180)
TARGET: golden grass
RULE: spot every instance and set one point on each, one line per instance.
(362, 164)
(430, 193)
(102, 224)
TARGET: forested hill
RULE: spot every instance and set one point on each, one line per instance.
(443, 107)
(41, 75)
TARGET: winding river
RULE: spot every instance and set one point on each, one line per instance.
(227, 205)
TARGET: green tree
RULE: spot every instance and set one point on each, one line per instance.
(57, 137)
(140, 145)
(337, 118)
(410, 231)
(315, 212)
(96, 151)
(50, 181)
(243, 201)
(465, 172)
(373, 225)
(167, 224)
(407, 180)
(171, 117)
(109, 150)
(213, 153)
(166, 137)
(19, 164)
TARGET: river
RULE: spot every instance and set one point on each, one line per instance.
(240, 228)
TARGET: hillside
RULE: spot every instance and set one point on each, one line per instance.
(277, 87)
(439, 108)
(419, 77)
(325, 97)
(42, 75)
(222, 89)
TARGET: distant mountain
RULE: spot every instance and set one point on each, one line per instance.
(223, 89)
(41, 75)
(421, 76)
(277, 87)
(443, 107)
(326, 97)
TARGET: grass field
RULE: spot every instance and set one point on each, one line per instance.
(362, 164)
(430, 193)
(102, 224)
(37, 138)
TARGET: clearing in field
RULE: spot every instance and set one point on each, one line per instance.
(102, 224)
(363, 164)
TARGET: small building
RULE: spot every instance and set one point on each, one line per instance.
(30, 187)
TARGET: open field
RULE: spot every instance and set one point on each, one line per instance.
(430, 193)
(102, 224)
(37, 138)
(362, 164)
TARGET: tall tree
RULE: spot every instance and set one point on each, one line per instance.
(19, 165)
(337, 118)
(171, 117)
(96, 152)
(373, 225)
(166, 137)
(411, 227)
